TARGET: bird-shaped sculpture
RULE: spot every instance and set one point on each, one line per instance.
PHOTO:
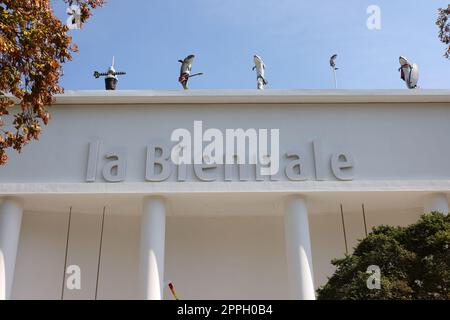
(260, 72)
(185, 71)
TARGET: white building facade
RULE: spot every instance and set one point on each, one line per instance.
(98, 195)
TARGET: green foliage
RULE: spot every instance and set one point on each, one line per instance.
(414, 263)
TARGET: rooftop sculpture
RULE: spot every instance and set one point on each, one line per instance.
(110, 77)
(185, 71)
(260, 72)
(409, 73)
(334, 68)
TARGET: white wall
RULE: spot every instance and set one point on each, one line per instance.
(233, 257)
(388, 141)
(227, 258)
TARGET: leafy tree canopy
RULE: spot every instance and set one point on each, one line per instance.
(33, 45)
(444, 28)
(414, 263)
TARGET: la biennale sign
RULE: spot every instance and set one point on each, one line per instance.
(214, 155)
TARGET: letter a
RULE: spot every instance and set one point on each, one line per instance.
(374, 20)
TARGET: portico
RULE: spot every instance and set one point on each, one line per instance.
(150, 240)
(298, 248)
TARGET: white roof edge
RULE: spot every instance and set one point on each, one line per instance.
(251, 96)
(218, 187)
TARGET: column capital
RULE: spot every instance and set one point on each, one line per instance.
(296, 196)
(295, 202)
(155, 199)
(12, 199)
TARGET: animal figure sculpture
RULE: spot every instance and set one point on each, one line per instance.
(409, 73)
(260, 72)
(334, 68)
(185, 71)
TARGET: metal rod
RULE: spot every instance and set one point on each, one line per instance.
(343, 228)
(65, 258)
(364, 216)
(196, 74)
(100, 253)
(335, 78)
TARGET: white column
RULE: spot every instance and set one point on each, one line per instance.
(11, 211)
(298, 249)
(436, 202)
(153, 231)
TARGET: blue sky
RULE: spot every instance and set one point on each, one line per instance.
(295, 38)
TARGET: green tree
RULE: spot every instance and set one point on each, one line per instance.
(414, 262)
(34, 44)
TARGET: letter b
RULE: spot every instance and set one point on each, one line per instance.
(155, 161)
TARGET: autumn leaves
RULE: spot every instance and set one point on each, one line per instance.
(33, 45)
